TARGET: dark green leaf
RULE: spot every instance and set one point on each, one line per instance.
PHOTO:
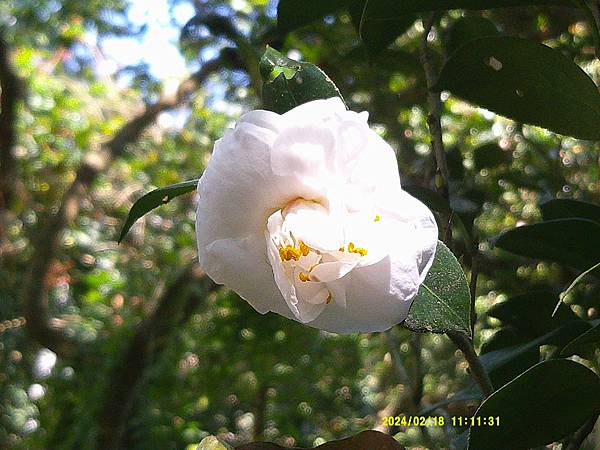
(467, 29)
(567, 208)
(504, 364)
(531, 313)
(489, 156)
(288, 83)
(292, 14)
(443, 301)
(365, 440)
(540, 406)
(154, 199)
(584, 344)
(377, 37)
(574, 242)
(525, 81)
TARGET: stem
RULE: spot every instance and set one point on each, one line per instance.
(473, 282)
(581, 434)
(435, 106)
(478, 372)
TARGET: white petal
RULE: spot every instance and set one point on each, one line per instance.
(315, 111)
(331, 271)
(312, 223)
(238, 190)
(242, 265)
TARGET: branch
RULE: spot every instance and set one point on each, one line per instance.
(49, 331)
(581, 434)
(435, 106)
(173, 309)
(465, 345)
(11, 88)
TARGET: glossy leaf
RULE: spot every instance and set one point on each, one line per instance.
(506, 363)
(525, 81)
(288, 83)
(531, 313)
(154, 199)
(567, 208)
(467, 29)
(378, 37)
(366, 440)
(574, 242)
(293, 14)
(546, 403)
(443, 301)
(584, 344)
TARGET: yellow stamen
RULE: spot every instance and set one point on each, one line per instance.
(377, 218)
(352, 249)
(328, 301)
(304, 248)
(341, 249)
(304, 276)
(288, 252)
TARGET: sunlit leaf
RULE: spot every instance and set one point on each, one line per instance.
(288, 83)
(525, 81)
(443, 302)
(154, 199)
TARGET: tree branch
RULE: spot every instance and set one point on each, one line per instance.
(435, 107)
(49, 331)
(465, 345)
(173, 309)
(11, 88)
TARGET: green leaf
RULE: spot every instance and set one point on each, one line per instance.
(489, 156)
(574, 242)
(378, 37)
(525, 81)
(443, 302)
(531, 313)
(584, 344)
(540, 406)
(506, 363)
(154, 199)
(288, 83)
(366, 440)
(293, 14)
(467, 29)
(567, 208)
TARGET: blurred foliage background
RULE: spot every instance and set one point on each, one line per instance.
(130, 346)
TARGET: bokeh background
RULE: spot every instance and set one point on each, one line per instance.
(130, 346)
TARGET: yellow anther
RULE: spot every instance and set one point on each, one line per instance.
(304, 248)
(288, 252)
(377, 218)
(328, 301)
(341, 249)
(352, 249)
(304, 276)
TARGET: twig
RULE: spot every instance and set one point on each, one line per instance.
(43, 328)
(581, 434)
(11, 94)
(473, 282)
(465, 345)
(151, 337)
(435, 106)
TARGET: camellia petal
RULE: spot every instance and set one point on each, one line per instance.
(302, 214)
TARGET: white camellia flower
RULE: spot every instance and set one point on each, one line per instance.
(302, 214)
